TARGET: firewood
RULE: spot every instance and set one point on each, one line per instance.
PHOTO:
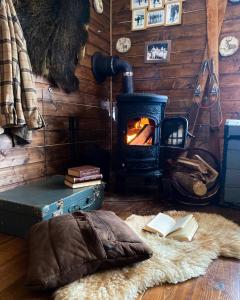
(191, 183)
(193, 164)
(212, 174)
(144, 134)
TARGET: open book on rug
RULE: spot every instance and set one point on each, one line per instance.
(182, 229)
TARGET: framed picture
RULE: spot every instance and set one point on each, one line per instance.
(155, 4)
(136, 4)
(155, 18)
(173, 13)
(138, 19)
(157, 52)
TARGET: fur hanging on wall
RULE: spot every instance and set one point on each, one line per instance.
(56, 33)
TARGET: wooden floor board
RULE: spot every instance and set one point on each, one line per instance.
(221, 282)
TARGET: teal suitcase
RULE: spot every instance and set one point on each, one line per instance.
(24, 206)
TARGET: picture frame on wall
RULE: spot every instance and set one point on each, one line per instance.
(155, 4)
(137, 4)
(138, 19)
(155, 18)
(173, 13)
(157, 51)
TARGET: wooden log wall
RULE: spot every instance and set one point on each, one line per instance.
(176, 79)
(50, 150)
(230, 69)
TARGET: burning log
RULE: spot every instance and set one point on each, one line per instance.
(143, 135)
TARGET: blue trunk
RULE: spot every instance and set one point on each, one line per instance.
(24, 206)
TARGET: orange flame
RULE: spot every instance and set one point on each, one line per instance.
(133, 132)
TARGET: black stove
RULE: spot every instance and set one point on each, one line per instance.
(139, 131)
(143, 132)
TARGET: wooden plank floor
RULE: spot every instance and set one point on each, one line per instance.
(222, 281)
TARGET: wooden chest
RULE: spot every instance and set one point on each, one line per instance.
(231, 164)
(24, 206)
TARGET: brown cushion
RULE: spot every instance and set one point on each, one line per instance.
(71, 246)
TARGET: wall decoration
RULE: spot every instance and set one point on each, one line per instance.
(138, 19)
(155, 18)
(173, 13)
(155, 4)
(123, 44)
(136, 4)
(228, 46)
(55, 36)
(157, 51)
(98, 6)
(158, 13)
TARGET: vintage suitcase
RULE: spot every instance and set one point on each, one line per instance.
(231, 165)
(24, 206)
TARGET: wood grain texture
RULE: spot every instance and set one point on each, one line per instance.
(176, 79)
(49, 151)
(220, 283)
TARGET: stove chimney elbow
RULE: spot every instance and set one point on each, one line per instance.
(125, 68)
(103, 66)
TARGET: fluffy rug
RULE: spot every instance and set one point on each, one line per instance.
(172, 261)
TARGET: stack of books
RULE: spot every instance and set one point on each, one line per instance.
(83, 176)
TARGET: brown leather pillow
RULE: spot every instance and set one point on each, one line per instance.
(68, 247)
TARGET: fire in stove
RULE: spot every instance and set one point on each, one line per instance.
(140, 132)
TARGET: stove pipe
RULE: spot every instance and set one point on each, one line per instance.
(104, 66)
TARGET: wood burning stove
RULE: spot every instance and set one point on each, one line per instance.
(140, 122)
(139, 130)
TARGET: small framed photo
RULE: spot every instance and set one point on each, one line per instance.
(157, 52)
(138, 19)
(155, 4)
(173, 13)
(155, 18)
(136, 4)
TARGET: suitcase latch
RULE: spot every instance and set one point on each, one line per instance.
(59, 210)
(96, 193)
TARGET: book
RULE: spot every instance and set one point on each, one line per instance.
(182, 229)
(82, 184)
(83, 179)
(82, 171)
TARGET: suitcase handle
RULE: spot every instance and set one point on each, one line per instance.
(88, 202)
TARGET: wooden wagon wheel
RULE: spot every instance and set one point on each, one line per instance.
(182, 196)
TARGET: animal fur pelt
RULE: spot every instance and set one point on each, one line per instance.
(172, 261)
(56, 32)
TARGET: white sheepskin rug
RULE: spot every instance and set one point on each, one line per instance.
(172, 261)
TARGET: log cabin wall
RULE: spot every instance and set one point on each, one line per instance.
(50, 150)
(176, 79)
(229, 69)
